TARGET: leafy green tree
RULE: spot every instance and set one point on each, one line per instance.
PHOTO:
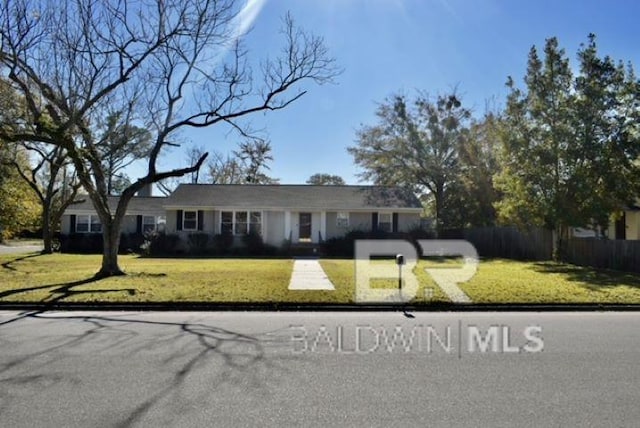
(19, 208)
(416, 146)
(326, 180)
(569, 144)
(43, 168)
(470, 202)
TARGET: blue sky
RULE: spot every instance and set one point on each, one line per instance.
(387, 46)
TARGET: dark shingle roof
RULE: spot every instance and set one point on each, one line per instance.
(137, 205)
(292, 197)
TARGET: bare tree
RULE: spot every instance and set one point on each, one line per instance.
(255, 155)
(225, 170)
(168, 65)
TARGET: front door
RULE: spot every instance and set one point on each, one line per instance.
(305, 226)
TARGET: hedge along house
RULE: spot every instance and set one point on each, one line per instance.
(298, 214)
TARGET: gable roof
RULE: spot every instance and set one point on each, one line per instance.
(286, 196)
(138, 205)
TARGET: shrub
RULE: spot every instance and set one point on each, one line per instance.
(344, 246)
(253, 244)
(198, 243)
(161, 244)
(131, 242)
(84, 243)
(222, 243)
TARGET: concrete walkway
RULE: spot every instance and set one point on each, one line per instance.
(308, 275)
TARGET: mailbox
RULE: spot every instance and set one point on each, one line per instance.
(399, 259)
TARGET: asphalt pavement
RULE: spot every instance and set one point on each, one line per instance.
(117, 369)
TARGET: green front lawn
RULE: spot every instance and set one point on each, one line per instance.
(66, 277)
(508, 281)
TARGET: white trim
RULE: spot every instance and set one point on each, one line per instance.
(323, 224)
(184, 218)
(287, 224)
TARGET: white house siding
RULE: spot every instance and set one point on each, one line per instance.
(129, 224)
(65, 224)
(333, 230)
(172, 216)
(360, 221)
(273, 227)
(408, 221)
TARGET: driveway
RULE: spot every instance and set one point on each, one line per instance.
(19, 249)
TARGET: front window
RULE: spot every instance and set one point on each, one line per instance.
(226, 222)
(384, 222)
(148, 223)
(88, 223)
(241, 223)
(342, 219)
(255, 226)
(96, 226)
(190, 220)
(82, 223)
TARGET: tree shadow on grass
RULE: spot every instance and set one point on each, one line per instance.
(591, 278)
(64, 290)
(190, 351)
(7, 265)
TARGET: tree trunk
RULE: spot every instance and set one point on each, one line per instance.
(47, 233)
(111, 238)
(439, 200)
(560, 236)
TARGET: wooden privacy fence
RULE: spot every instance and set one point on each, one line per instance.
(511, 243)
(605, 254)
(537, 244)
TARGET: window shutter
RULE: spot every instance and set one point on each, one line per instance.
(179, 220)
(139, 224)
(200, 219)
(374, 222)
(72, 225)
(395, 222)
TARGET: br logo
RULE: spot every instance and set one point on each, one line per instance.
(446, 277)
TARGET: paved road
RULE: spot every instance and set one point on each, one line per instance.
(319, 369)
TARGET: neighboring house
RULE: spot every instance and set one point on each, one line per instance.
(297, 213)
(627, 226)
(144, 214)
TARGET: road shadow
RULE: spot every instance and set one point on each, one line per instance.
(189, 350)
(594, 279)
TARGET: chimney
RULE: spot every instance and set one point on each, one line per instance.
(145, 191)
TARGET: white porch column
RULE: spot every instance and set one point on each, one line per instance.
(323, 224)
(287, 224)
